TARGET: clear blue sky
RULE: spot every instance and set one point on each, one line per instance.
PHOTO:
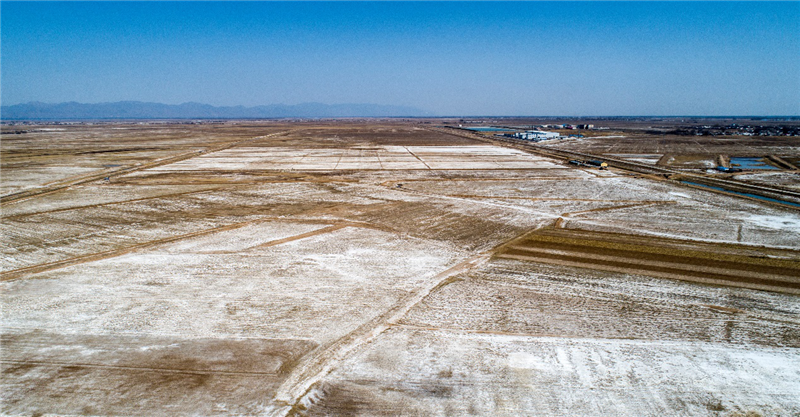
(449, 58)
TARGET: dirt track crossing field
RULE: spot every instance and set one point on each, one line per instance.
(380, 268)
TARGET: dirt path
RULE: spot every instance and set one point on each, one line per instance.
(138, 368)
(582, 200)
(314, 367)
(418, 158)
(624, 206)
(312, 233)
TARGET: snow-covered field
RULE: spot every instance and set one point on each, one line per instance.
(231, 284)
(783, 179)
(376, 158)
(360, 280)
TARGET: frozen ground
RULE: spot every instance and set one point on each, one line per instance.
(650, 159)
(784, 179)
(441, 372)
(349, 269)
(372, 158)
(232, 284)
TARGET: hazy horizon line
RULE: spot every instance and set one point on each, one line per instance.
(432, 115)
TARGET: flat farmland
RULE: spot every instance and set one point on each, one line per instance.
(369, 267)
(789, 180)
(54, 154)
(361, 158)
(640, 143)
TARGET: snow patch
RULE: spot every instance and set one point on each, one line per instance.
(676, 194)
(524, 360)
(787, 222)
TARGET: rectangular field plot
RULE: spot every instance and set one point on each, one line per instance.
(374, 158)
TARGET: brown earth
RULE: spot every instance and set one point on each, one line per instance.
(668, 258)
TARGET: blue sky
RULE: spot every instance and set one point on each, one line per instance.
(450, 58)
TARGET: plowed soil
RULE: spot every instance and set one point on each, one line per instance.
(691, 261)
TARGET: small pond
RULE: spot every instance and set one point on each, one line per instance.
(751, 163)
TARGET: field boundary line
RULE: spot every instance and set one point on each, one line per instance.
(418, 158)
(515, 334)
(322, 231)
(583, 200)
(599, 209)
(140, 368)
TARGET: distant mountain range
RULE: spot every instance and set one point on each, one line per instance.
(143, 110)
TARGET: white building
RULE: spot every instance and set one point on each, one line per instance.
(536, 135)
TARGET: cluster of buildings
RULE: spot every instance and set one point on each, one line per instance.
(536, 135)
(570, 127)
(738, 130)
